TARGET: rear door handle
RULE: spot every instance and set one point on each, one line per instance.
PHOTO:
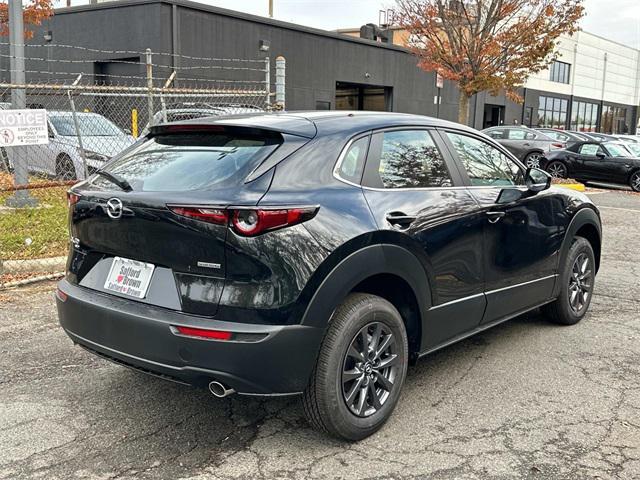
(400, 219)
(494, 217)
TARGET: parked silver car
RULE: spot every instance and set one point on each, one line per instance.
(62, 158)
(530, 146)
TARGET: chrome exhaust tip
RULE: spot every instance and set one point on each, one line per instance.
(219, 390)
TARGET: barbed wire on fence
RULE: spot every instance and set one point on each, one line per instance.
(128, 62)
(140, 53)
(140, 78)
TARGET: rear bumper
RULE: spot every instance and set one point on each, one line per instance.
(269, 360)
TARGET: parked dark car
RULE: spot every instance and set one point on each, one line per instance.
(563, 136)
(599, 137)
(316, 254)
(611, 162)
(529, 146)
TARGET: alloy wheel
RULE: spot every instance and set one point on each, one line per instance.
(635, 182)
(580, 283)
(370, 369)
(533, 160)
(557, 170)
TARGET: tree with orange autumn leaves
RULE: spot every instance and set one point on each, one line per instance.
(486, 45)
(34, 12)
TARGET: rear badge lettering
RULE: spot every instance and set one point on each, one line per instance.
(209, 265)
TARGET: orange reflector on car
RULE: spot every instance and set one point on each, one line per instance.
(204, 333)
(61, 295)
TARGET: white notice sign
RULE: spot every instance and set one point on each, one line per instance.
(23, 127)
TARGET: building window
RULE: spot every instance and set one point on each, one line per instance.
(584, 116)
(322, 105)
(528, 117)
(552, 112)
(560, 72)
(613, 120)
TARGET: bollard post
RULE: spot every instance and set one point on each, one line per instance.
(281, 66)
(150, 86)
(134, 123)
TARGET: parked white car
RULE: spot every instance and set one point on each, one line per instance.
(61, 157)
(629, 138)
(190, 111)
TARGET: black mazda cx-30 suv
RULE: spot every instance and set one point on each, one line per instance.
(316, 254)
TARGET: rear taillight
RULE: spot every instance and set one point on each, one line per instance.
(210, 215)
(72, 198)
(248, 222)
(559, 145)
(254, 222)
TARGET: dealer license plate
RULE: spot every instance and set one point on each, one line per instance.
(129, 277)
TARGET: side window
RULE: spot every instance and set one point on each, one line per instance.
(497, 134)
(353, 162)
(408, 159)
(590, 149)
(485, 164)
(530, 136)
(519, 134)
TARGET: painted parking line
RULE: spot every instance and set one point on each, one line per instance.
(634, 210)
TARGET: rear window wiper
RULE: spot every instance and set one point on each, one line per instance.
(115, 179)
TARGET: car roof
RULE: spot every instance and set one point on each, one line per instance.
(310, 123)
(65, 113)
(503, 127)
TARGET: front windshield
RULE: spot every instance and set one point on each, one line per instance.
(90, 125)
(634, 148)
(618, 150)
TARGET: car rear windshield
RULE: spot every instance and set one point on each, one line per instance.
(191, 161)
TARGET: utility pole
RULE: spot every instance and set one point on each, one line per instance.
(270, 8)
(21, 197)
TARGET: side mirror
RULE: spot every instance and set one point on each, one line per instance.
(537, 180)
(600, 155)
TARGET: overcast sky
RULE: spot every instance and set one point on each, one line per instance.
(618, 20)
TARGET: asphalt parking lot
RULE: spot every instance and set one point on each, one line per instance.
(526, 399)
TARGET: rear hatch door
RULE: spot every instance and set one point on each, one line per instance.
(143, 210)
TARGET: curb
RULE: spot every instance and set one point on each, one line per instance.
(573, 186)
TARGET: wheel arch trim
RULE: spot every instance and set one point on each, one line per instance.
(357, 267)
(586, 216)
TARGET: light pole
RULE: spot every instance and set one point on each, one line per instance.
(21, 197)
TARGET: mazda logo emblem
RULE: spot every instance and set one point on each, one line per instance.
(114, 208)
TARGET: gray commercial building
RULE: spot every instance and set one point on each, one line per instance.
(325, 70)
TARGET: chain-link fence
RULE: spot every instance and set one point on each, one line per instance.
(89, 121)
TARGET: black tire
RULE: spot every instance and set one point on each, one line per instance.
(533, 159)
(325, 399)
(634, 181)
(65, 170)
(563, 310)
(557, 169)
